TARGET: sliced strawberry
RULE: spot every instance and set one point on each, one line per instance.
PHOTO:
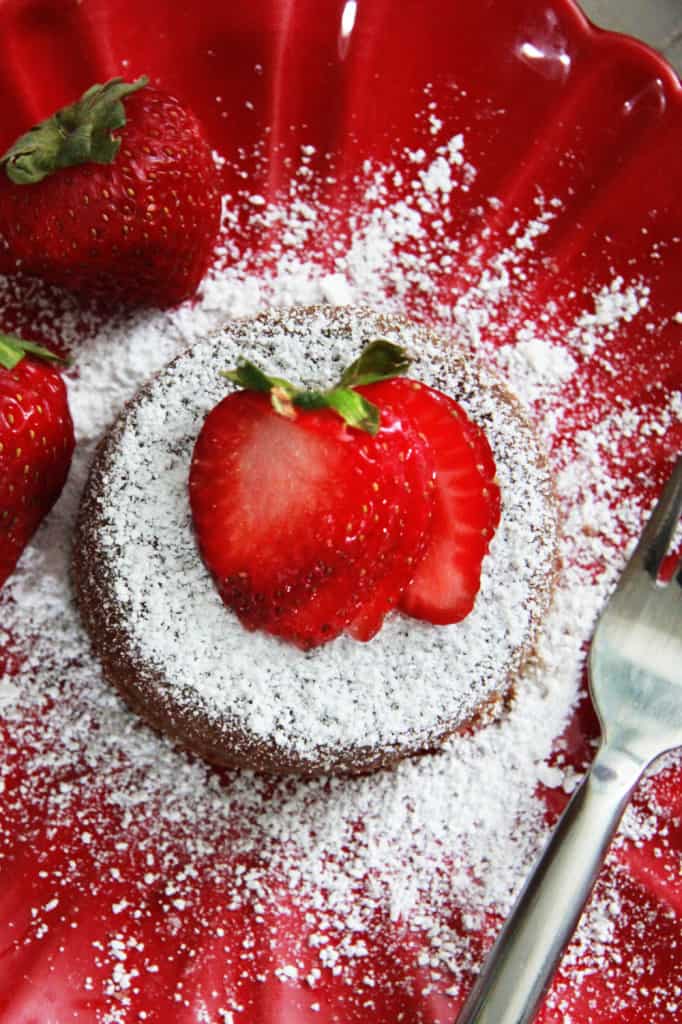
(320, 511)
(297, 520)
(406, 512)
(415, 481)
(270, 502)
(466, 506)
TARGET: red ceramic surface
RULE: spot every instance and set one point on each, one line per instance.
(549, 104)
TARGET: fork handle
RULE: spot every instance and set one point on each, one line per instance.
(524, 958)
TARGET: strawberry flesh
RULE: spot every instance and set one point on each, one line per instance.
(415, 483)
(466, 506)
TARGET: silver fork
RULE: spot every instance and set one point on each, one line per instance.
(635, 673)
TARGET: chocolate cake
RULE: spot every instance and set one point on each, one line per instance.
(183, 660)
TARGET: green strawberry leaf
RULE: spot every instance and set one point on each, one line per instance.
(251, 378)
(77, 134)
(13, 350)
(379, 360)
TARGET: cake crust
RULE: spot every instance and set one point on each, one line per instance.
(210, 691)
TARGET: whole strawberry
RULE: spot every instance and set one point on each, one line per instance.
(36, 443)
(114, 196)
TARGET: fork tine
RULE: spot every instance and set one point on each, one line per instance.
(658, 532)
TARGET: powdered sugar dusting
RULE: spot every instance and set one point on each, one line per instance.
(301, 884)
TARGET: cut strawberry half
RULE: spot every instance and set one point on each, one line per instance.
(279, 506)
(466, 506)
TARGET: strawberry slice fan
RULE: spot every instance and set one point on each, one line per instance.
(504, 171)
(323, 510)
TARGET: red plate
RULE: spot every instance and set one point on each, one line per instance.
(572, 130)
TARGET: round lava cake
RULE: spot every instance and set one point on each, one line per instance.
(183, 660)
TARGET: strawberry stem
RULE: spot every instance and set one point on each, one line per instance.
(77, 134)
(13, 350)
(379, 360)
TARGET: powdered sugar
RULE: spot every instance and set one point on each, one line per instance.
(311, 867)
(535, 367)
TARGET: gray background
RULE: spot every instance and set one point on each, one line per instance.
(657, 22)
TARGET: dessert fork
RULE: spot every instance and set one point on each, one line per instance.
(635, 672)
